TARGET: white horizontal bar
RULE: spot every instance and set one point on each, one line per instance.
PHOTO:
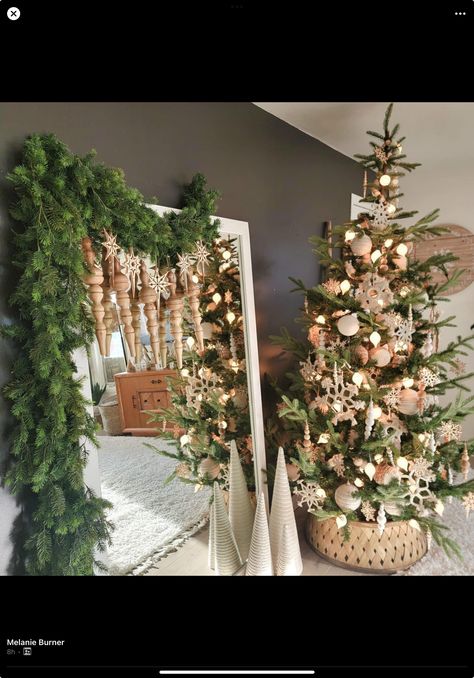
(236, 673)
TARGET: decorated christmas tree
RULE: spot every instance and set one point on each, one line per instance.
(367, 437)
(210, 396)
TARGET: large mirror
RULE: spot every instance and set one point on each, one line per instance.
(172, 403)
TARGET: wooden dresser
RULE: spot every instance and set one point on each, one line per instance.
(138, 392)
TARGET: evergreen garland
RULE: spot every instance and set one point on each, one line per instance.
(61, 198)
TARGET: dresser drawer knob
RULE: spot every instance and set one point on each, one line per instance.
(157, 381)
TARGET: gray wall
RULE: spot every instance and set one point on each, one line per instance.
(283, 182)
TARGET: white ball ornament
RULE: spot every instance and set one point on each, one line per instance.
(348, 325)
(408, 401)
(209, 467)
(381, 356)
(392, 508)
(361, 246)
(344, 499)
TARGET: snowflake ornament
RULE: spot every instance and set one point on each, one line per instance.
(199, 388)
(368, 511)
(309, 371)
(449, 430)
(201, 256)
(459, 367)
(332, 286)
(418, 491)
(403, 333)
(159, 283)
(393, 428)
(185, 264)
(310, 493)
(228, 297)
(421, 468)
(336, 462)
(340, 398)
(428, 377)
(391, 321)
(381, 155)
(337, 344)
(110, 244)
(380, 217)
(374, 292)
(131, 268)
(392, 399)
(224, 474)
(468, 503)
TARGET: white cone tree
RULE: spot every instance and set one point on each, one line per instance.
(241, 511)
(259, 563)
(227, 556)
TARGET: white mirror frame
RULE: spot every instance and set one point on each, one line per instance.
(227, 227)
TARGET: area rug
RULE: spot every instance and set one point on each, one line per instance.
(151, 518)
(461, 530)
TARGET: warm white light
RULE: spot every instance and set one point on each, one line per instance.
(402, 463)
(320, 493)
(350, 235)
(195, 278)
(377, 412)
(358, 482)
(185, 372)
(223, 424)
(190, 341)
(421, 437)
(407, 382)
(380, 302)
(375, 338)
(388, 242)
(230, 317)
(216, 298)
(321, 319)
(357, 378)
(384, 180)
(402, 249)
(323, 438)
(184, 440)
(391, 208)
(366, 386)
(376, 254)
(378, 458)
(226, 255)
(337, 406)
(345, 286)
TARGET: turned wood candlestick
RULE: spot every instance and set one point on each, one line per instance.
(175, 304)
(136, 324)
(107, 303)
(121, 284)
(94, 280)
(193, 297)
(162, 336)
(147, 297)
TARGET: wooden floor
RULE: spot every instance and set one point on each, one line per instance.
(191, 558)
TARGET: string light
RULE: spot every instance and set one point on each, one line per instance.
(226, 255)
(321, 319)
(345, 286)
(388, 242)
(375, 338)
(384, 180)
(407, 382)
(357, 378)
(350, 235)
(195, 278)
(391, 208)
(184, 440)
(358, 482)
(223, 424)
(323, 438)
(216, 298)
(185, 372)
(377, 412)
(402, 249)
(190, 341)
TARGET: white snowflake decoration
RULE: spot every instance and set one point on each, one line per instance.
(449, 430)
(421, 468)
(468, 503)
(201, 256)
(392, 399)
(310, 493)
(337, 463)
(309, 370)
(418, 491)
(340, 397)
(393, 428)
(374, 292)
(368, 511)
(199, 388)
(391, 321)
(185, 263)
(332, 286)
(404, 332)
(336, 344)
(380, 217)
(428, 377)
(131, 268)
(159, 283)
(224, 475)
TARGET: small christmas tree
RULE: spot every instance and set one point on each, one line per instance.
(369, 436)
(210, 396)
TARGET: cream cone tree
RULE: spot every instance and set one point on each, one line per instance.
(241, 511)
(282, 513)
(259, 563)
(227, 556)
(287, 565)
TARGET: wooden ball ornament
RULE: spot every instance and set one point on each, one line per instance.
(292, 471)
(209, 467)
(401, 262)
(385, 473)
(361, 246)
(344, 499)
(362, 354)
(408, 401)
(348, 325)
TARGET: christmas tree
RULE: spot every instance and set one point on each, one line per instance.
(367, 436)
(210, 396)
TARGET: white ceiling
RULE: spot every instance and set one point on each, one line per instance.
(437, 133)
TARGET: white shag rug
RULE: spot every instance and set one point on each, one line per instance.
(461, 530)
(151, 519)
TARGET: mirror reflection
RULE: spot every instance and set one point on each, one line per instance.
(171, 399)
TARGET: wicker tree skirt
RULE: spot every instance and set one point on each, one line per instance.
(397, 548)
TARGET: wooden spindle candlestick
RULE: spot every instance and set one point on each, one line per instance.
(162, 336)
(136, 324)
(122, 284)
(175, 304)
(148, 297)
(107, 303)
(94, 280)
(193, 297)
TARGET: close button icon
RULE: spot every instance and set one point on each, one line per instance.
(13, 13)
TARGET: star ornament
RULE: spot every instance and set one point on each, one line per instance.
(131, 268)
(159, 283)
(185, 264)
(201, 256)
(110, 244)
